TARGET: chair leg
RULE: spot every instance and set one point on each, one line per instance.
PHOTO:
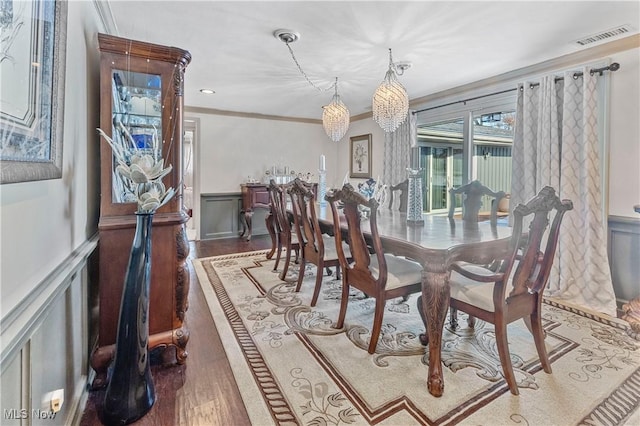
(278, 254)
(538, 337)
(505, 357)
(453, 318)
(343, 304)
(471, 321)
(287, 260)
(300, 274)
(527, 322)
(377, 324)
(316, 290)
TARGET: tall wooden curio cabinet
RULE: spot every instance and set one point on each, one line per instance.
(141, 87)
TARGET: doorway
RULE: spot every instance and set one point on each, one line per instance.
(189, 189)
(442, 167)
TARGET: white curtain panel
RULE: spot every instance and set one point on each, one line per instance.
(397, 151)
(556, 144)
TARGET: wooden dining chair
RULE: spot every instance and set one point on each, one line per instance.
(472, 195)
(315, 247)
(379, 275)
(281, 224)
(403, 187)
(514, 289)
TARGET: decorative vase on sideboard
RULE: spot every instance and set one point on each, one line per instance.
(131, 393)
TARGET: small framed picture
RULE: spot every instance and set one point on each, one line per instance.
(360, 156)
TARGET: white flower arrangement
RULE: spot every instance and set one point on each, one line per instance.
(141, 170)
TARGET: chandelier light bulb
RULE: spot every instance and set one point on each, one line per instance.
(390, 101)
(335, 117)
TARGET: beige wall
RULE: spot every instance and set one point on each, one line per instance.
(624, 135)
(43, 221)
(231, 149)
(45, 240)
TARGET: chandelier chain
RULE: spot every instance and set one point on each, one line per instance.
(305, 74)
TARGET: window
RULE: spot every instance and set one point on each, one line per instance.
(465, 141)
(492, 142)
(441, 158)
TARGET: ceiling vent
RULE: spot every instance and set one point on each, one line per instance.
(605, 35)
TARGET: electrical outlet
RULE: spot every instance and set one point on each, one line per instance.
(57, 398)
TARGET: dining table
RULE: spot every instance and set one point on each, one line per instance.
(435, 244)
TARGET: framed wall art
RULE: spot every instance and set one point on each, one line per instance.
(32, 70)
(360, 163)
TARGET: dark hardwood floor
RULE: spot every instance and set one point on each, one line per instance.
(203, 391)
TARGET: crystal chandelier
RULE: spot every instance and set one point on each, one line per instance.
(335, 117)
(390, 100)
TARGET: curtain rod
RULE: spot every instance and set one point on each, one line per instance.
(613, 67)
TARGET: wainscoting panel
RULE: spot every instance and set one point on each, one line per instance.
(45, 346)
(624, 257)
(220, 217)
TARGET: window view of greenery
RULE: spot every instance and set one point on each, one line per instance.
(441, 155)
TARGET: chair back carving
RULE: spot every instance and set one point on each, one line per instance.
(306, 221)
(278, 208)
(279, 221)
(534, 265)
(472, 194)
(403, 187)
(359, 270)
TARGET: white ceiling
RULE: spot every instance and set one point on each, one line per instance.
(450, 43)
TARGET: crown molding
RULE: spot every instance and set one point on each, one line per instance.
(212, 111)
(571, 59)
(106, 16)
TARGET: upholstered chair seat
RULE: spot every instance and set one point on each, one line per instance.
(400, 271)
(471, 291)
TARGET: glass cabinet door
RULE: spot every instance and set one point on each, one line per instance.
(137, 122)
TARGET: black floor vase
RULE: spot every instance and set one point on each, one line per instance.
(131, 393)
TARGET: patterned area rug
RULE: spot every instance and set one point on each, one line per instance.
(292, 367)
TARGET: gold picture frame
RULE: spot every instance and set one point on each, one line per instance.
(360, 156)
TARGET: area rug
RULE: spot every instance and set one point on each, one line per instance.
(293, 367)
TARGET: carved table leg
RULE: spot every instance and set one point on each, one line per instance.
(100, 361)
(433, 306)
(247, 220)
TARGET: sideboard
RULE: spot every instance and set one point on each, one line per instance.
(254, 196)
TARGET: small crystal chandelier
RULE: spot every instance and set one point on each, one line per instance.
(335, 117)
(390, 100)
